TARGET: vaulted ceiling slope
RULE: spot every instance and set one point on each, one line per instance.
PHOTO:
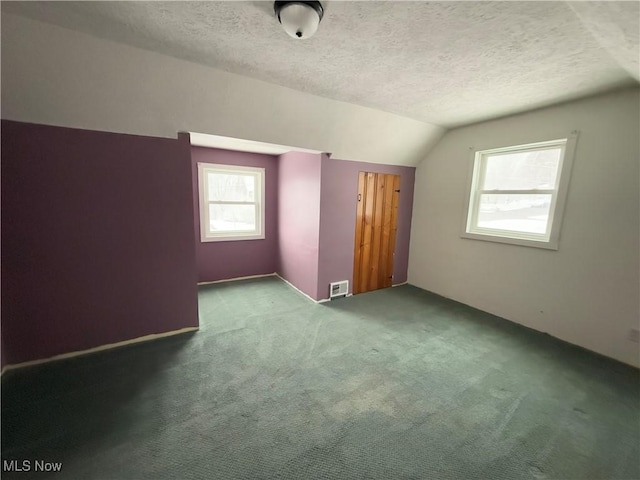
(445, 63)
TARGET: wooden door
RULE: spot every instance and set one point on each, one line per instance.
(376, 226)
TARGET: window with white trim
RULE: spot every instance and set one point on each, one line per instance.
(517, 193)
(231, 202)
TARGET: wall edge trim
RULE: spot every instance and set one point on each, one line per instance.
(235, 279)
(323, 300)
(522, 325)
(108, 346)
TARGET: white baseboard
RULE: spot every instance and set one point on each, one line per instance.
(323, 300)
(109, 346)
(239, 278)
(300, 291)
(329, 299)
(400, 284)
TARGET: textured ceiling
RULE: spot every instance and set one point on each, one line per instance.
(447, 63)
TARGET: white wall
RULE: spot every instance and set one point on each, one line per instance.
(56, 76)
(587, 292)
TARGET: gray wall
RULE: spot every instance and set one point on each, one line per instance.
(587, 292)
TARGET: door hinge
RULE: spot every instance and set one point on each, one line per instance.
(398, 191)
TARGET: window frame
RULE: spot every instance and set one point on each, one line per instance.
(259, 173)
(478, 165)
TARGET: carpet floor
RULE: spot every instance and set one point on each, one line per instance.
(392, 384)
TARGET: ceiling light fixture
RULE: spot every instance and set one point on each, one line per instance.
(299, 19)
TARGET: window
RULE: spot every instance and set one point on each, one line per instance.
(517, 193)
(231, 202)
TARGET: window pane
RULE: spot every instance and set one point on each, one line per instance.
(522, 170)
(519, 213)
(231, 187)
(232, 218)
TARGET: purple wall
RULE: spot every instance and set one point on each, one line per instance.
(242, 258)
(299, 220)
(97, 239)
(338, 220)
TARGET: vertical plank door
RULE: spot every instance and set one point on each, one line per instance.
(376, 227)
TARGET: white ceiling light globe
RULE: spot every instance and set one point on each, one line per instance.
(299, 20)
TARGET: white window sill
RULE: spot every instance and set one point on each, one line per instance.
(231, 238)
(524, 242)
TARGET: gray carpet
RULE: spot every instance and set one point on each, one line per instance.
(393, 384)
